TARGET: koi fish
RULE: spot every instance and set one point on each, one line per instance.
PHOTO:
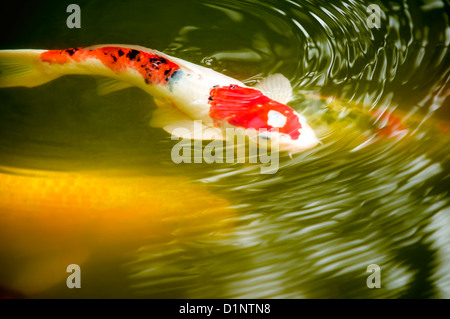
(386, 124)
(183, 91)
(49, 220)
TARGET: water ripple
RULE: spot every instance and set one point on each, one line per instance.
(368, 194)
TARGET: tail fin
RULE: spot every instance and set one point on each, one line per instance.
(23, 68)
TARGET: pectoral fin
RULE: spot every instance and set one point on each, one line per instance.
(277, 87)
(181, 125)
(108, 85)
(194, 130)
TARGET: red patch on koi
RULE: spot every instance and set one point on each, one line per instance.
(153, 68)
(249, 108)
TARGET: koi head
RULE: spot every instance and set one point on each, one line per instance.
(249, 108)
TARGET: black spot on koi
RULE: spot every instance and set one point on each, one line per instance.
(132, 54)
(71, 51)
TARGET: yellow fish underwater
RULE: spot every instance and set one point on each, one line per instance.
(49, 220)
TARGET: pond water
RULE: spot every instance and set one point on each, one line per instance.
(85, 180)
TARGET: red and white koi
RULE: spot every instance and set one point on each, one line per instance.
(183, 91)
